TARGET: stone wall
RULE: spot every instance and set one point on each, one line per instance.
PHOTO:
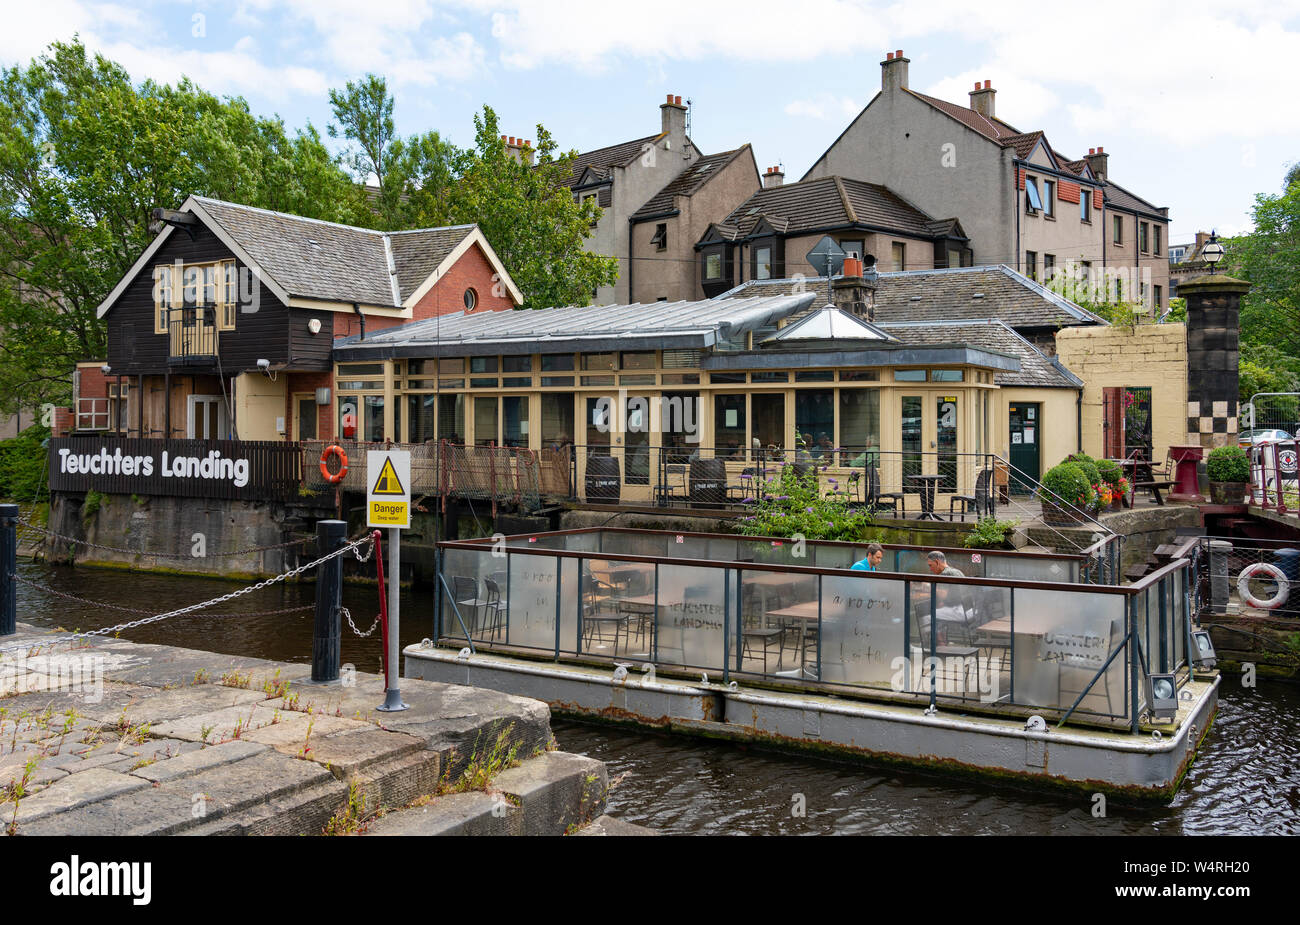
(1144, 355)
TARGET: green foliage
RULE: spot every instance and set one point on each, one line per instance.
(1110, 472)
(990, 533)
(1089, 467)
(791, 505)
(23, 465)
(1068, 482)
(1228, 464)
(1269, 258)
(1265, 368)
(90, 507)
(85, 155)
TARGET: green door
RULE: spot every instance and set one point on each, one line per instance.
(1026, 421)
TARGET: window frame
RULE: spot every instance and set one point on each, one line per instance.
(1049, 198)
(1117, 230)
(1033, 201)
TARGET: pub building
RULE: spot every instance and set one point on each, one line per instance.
(753, 380)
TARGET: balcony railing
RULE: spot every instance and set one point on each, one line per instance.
(192, 335)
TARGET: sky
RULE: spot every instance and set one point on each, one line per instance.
(1196, 102)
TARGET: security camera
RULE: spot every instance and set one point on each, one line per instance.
(263, 364)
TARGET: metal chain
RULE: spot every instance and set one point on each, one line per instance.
(161, 555)
(46, 589)
(348, 614)
(266, 583)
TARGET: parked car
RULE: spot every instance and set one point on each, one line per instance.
(1247, 438)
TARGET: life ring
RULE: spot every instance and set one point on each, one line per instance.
(1263, 569)
(334, 450)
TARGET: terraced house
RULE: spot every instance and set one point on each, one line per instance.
(1021, 201)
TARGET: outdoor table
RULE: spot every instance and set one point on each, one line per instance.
(926, 487)
(800, 614)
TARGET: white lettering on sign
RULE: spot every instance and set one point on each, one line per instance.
(214, 467)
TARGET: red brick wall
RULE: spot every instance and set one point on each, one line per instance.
(1097, 200)
(93, 382)
(310, 382)
(65, 421)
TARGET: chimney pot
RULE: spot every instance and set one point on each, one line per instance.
(889, 57)
(977, 85)
(670, 97)
(503, 138)
(1100, 149)
(1092, 150)
(899, 53)
(529, 142)
(988, 85)
(677, 101)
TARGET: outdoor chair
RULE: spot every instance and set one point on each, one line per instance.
(895, 501)
(981, 500)
(494, 607)
(464, 592)
(756, 629)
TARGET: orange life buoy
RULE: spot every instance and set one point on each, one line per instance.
(334, 450)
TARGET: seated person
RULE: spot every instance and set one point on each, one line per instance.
(937, 562)
(875, 553)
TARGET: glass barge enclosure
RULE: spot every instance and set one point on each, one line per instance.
(1014, 633)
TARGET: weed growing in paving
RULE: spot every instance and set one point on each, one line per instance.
(242, 680)
(201, 677)
(353, 818)
(483, 767)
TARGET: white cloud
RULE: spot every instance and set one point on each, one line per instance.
(827, 107)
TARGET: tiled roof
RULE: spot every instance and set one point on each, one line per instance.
(1023, 143)
(1116, 195)
(338, 263)
(993, 128)
(828, 202)
(688, 182)
(957, 294)
(614, 156)
(1036, 369)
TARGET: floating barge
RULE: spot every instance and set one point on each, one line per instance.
(1025, 668)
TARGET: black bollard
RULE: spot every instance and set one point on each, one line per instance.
(8, 568)
(326, 639)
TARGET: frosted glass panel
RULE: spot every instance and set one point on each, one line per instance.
(691, 616)
(1030, 568)
(533, 581)
(465, 571)
(861, 629)
(569, 604)
(1061, 640)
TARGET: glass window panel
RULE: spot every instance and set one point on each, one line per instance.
(637, 379)
(557, 362)
(591, 361)
(691, 616)
(534, 586)
(763, 263)
(729, 423)
(514, 420)
(770, 377)
(680, 378)
(860, 420)
(1031, 191)
(816, 375)
(860, 375)
(909, 375)
(557, 381)
(483, 364)
(361, 369)
(712, 266)
(814, 422)
(768, 411)
(451, 418)
(485, 421)
(598, 425)
(517, 364)
(910, 441)
(641, 360)
(421, 412)
(861, 629)
(361, 384)
(1060, 640)
(349, 406)
(557, 420)
(514, 382)
(374, 423)
(947, 375)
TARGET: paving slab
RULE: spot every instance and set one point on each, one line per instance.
(610, 826)
(76, 790)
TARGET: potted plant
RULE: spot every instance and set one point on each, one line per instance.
(1067, 483)
(1113, 476)
(1228, 468)
(990, 533)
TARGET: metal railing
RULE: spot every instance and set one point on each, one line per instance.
(1273, 476)
(1014, 631)
(192, 334)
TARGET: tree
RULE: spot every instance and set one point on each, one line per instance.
(530, 217)
(1269, 258)
(413, 177)
(85, 156)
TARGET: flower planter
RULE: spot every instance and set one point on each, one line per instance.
(1055, 516)
(1229, 492)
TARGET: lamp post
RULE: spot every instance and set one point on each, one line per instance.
(1213, 251)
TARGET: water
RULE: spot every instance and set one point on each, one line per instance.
(1247, 780)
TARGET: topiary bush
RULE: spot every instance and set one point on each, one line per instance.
(1111, 472)
(1066, 482)
(1228, 464)
(1089, 466)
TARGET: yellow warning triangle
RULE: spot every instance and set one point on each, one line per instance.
(388, 483)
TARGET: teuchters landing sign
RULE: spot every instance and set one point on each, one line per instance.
(236, 469)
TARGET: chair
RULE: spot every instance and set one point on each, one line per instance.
(748, 487)
(755, 627)
(464, 592)
(897, 500)
(674, 478)
(981, 500)
(495, 606)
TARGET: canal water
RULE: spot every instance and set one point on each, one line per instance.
(1247, 780)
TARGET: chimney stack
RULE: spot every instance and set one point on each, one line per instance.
(672, 118)
(981, 99)
(853, 292)
(1097, 162)
(518, 150)
(773, 177)
(893, 71)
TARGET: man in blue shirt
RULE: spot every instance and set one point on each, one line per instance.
(875, 554)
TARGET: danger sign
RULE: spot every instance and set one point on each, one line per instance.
(388, 488)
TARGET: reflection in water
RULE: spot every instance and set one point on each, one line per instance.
(283, 637)
(1247, 780)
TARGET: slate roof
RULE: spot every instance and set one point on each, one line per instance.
(1036, 369)
(602, 159)
(1116, 195)
(339, 263)
(688, 182)
(827, 202)
(949, 295)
